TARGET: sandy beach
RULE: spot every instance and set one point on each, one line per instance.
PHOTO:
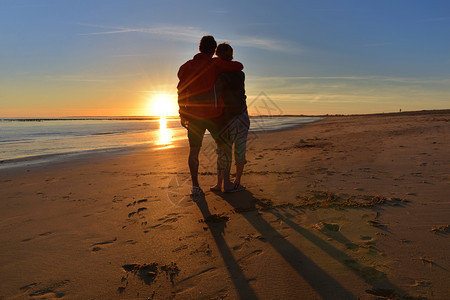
(345, 208)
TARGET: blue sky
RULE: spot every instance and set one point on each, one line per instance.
(65, 58)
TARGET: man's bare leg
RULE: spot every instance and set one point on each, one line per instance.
(193, 164)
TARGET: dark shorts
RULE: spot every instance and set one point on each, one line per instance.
(235, 132)
(197, 128)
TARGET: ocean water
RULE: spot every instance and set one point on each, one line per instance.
(25, 140)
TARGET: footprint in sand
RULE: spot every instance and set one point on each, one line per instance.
(137, 202)
(138, 212)
(51, 179)
(48, 292)
(40, 235)
(148, 273)
(421, 283)
(178, 249)
(245, 258)
(238, 247)
(95, 246)
(141, 209)
(159, 226)
(194, 276)
(118, 199)
(130, 242)
(28, 286)
(164, 222)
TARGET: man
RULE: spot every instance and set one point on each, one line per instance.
(197, 102)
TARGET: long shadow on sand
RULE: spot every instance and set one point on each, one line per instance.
(313, 274)
(370, 275)
(240, 282)
(317, 278)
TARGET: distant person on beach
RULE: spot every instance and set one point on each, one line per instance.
(235, 124)
(199, 108)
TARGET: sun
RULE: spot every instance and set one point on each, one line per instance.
(162, 105)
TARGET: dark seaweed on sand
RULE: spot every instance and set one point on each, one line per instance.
(326, 199)
(171, 271)
(146, 272)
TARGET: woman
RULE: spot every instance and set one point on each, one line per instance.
(235, 124)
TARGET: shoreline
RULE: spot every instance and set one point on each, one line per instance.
(48, 159)
(410, 113)
(347, 207)
(39, 160)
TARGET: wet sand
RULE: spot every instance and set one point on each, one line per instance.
(345, 208)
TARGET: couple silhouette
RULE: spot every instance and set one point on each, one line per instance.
(211, 96)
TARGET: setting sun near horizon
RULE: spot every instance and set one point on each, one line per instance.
(162, 105)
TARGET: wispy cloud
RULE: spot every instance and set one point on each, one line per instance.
(189, 34)
(266, 44)
(324, 98)
(371, 90)
(409, 80)
(75, 78)
(176, 32)
(82, 78)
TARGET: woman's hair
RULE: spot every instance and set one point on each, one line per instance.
(207, 44)
(224, 51)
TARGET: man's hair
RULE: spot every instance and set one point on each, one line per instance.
(207, 44)
(224, 51)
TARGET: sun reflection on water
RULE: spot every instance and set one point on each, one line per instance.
(164, 134)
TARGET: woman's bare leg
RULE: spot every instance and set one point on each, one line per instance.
(239, 171)
(227, 184)
(218, 186)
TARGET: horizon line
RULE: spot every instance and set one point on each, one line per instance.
(176, 116)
